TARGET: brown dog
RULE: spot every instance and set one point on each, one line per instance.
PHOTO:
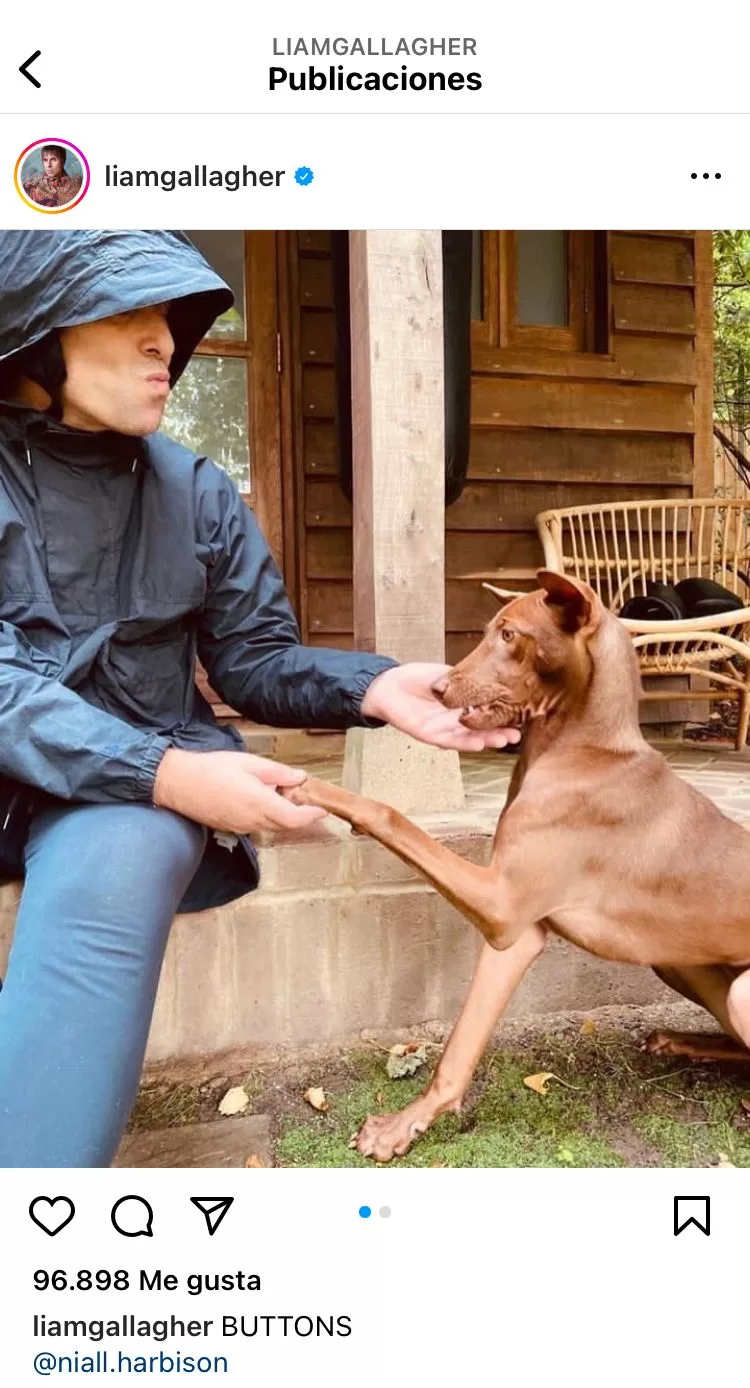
(599, 841)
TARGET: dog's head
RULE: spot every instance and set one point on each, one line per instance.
(533, 652)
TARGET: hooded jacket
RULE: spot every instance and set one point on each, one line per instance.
(123, 559)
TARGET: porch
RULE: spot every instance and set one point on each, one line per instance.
(342, 937)
(604, 387)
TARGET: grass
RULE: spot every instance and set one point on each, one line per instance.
(621, 1109)
(611, 1106)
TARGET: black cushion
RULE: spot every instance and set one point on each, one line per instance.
(702, 597)
(691, 597)
(660, 603)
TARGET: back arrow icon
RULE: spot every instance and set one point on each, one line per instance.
(24, 68)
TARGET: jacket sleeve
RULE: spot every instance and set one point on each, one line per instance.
(52, 739)
(249, 641)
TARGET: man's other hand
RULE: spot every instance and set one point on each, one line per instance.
(233, 791)
(403, 697)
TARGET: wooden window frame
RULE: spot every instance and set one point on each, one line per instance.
(499, 329)
(260, 351)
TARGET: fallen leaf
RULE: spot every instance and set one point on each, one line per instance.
(316, 1098)
(235, 1101)
(380, 1098)
(565, 1154)
(539, 1082)
(588, 1028)
(398, 1049)
(724, 1160)
(255, 1161)
(438, 1163)
(402, 1061)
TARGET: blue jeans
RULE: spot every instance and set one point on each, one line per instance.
(103, 883)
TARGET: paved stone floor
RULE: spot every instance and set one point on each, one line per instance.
(718, 772)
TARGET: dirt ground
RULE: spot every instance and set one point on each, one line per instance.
(720, 725)
(607, 1103)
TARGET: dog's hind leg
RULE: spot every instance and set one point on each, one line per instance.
(496, 977)
(722, 990)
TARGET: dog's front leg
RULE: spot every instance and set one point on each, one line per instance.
(474, 890)
(496, 977)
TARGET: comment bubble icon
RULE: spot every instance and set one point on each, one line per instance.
(133, 1217)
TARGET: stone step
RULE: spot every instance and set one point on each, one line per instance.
(296, 746)
(224, 1142)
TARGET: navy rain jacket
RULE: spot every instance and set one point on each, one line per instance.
(122, 559)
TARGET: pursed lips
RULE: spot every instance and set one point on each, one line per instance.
(160, 381)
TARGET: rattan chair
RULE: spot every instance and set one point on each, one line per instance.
(617, 548)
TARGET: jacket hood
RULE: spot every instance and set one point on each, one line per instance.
(57, 279)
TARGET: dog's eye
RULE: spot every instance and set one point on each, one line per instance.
(508, 634)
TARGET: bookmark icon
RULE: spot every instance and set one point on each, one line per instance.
(692, 1209)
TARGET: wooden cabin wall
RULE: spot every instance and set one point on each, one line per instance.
(548, 430)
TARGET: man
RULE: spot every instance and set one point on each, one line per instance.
(122, 558)
(54, 187)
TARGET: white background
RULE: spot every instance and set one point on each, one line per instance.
(511, 1277)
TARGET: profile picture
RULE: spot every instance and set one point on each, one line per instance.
(52, 175)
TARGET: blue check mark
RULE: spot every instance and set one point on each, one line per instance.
(304, 176)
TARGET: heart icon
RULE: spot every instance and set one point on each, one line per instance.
(52, 1215)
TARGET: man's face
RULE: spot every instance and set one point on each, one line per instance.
(118, 372)
(52, 164)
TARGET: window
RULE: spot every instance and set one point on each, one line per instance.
(208, 409)
(540, 289)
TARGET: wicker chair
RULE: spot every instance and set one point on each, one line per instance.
(617, 548)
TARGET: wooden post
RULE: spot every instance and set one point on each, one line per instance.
(396, 290)
(703, 439)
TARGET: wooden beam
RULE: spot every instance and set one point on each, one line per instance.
(703, 458)
(396, 296)
(263, 388)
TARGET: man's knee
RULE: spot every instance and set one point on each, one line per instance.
(115, 851)
(738, 1003)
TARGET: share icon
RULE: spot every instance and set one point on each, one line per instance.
(213, 1208)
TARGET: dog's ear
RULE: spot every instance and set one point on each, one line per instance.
(504, 594)
(576, 604)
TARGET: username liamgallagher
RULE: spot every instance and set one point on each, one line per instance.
(337, 78)
(199, 176)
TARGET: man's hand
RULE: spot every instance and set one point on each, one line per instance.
(233, 791)
(403, 696)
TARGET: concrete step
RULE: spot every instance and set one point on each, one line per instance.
(296, 746)
(224, 1142)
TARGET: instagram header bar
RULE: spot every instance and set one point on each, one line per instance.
(545, 58)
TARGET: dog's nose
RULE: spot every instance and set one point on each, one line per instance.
(440, 687)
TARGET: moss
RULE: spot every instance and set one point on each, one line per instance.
(609, 1107)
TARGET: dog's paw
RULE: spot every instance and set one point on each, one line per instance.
(684, 1043)
(662, 1043)
(298, 795)
(387, 1135)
